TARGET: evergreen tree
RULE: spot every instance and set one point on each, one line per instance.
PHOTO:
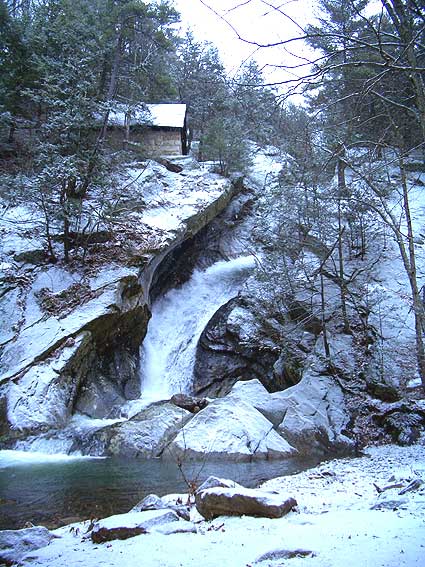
(202, 84)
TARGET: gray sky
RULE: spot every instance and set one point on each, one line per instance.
(255, 20)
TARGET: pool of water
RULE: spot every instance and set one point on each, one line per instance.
(54, 491)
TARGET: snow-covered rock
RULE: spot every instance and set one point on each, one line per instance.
(149, 502)
(254, 393)
(229, 430)
(43, 395)
(15, 544)
(214, 482)
(144, 435)
(125, 526)
(283, 554)
(180, 527)
(214, 502)
(154, 502)
(107, 301)
(311, 415)
(315, 416)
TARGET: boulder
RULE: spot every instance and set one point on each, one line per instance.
(36, 256)
(315, 416)
(215, 482)
(144, 435)
(189, 403)
(180, 527)
(102, 535)
(149, 502)
(228, 430)
(124, 526)
(214, 502)
(15, 544)
(154, 502)
(255, 394)
(284, 554)
(222, 355)
(390, 501)
(403, 420)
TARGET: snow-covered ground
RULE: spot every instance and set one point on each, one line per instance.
(341, 521)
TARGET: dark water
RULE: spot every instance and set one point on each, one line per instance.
(54, 493)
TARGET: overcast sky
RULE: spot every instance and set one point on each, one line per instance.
(254, 20)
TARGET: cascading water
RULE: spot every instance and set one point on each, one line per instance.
(178, 319)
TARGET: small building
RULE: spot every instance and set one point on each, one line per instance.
(152, 129)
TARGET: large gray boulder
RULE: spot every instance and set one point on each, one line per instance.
(15, 544)
(154, 502)
(255, 394)
(229, 430)
(311, 415)
(214, 502)
(144, 435)
(315, 416)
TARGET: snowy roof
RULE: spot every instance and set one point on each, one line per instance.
(162, 115)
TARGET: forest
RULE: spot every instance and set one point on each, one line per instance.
(65, 64)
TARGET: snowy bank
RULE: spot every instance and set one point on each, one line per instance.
(342, 519)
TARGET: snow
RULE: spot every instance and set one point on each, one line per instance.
(172, 199)
(266, 166)
(171, 115)
(390, 294)
(335, 525)
(43, 336)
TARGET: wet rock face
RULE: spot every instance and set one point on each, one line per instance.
(223, 356)
(178, 265)
(113, 378)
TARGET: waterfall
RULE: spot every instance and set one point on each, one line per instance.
(178, 319)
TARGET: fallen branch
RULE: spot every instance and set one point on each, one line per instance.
(414, 485)
(388, 487)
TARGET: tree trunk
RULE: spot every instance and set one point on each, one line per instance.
(12, 130)
(65, 214)
(342, 190)
(418, 306)
(324, 328)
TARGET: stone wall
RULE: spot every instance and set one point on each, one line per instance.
(148, 142)
(161, 142)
